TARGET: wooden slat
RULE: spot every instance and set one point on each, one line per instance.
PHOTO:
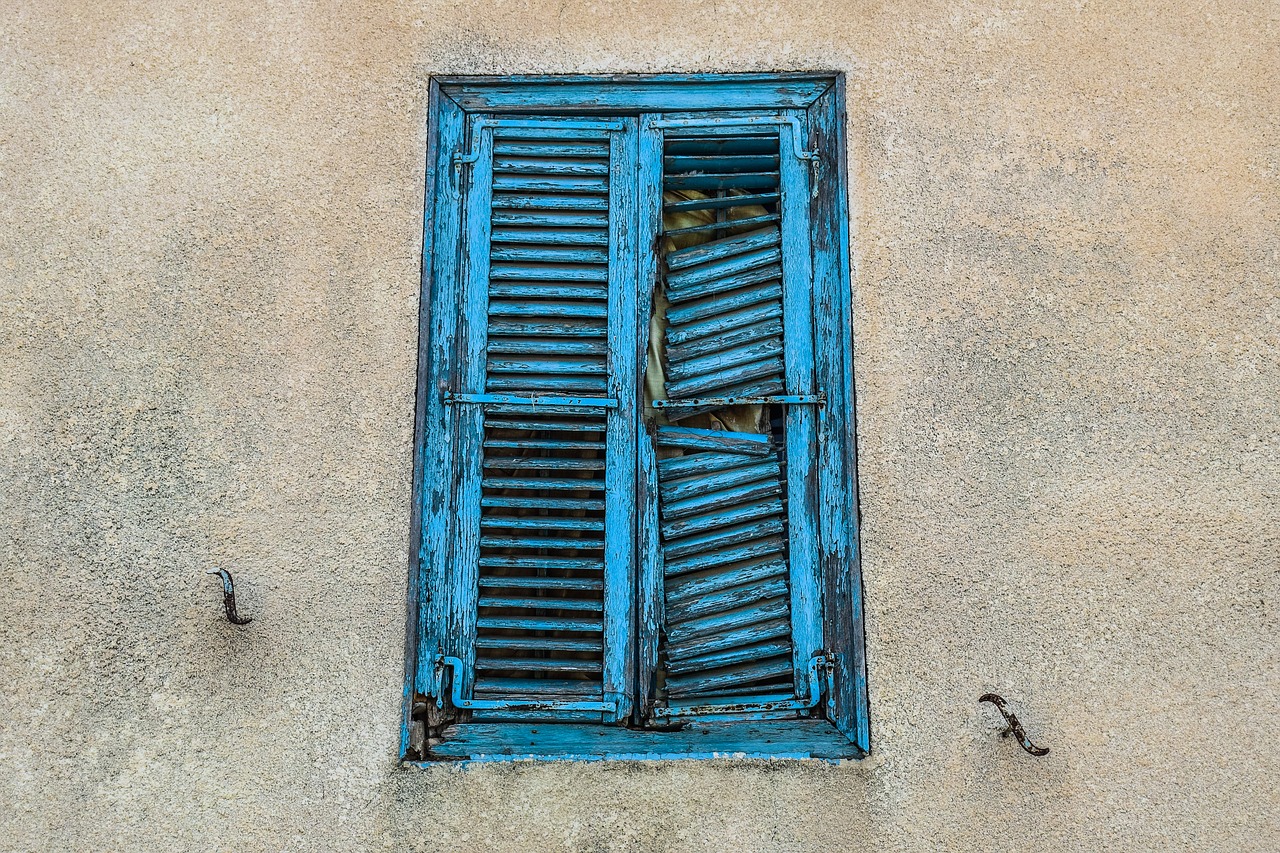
(553, 365)
(739, 654)
(549, 272)
(551, 236)
(571, 310)
(545, 443)
(562, 484)
(740, 675)
(722, 322)
(506, 164)
(725, 359)
(725, 339)
(509, 562)
(503, 203)
(725, 379)
(726, 225)
(513, 582)
(716, 440)
(538, 664)
(720, 577)
(540, 522)
(745, 635)
(720, 203)
(548, 254)
(728, 599)
(675, 493)
(584, 645)
(727, 247)
(725, 303)
(543, 425)
(491, 686)
(721, 162)
(535, 543)
(748, 492)
(727, 181)
(547, 603)
(580, 148)
(548, 184)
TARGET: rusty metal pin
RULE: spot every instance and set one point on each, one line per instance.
(229, 597)
(1012, 725)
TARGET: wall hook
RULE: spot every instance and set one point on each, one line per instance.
(1012, 726)
(229, 597)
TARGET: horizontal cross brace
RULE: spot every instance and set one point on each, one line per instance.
(451, 399)
(785, 399)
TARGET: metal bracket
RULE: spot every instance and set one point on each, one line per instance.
(229, 597)
(452, 398)
(745, 121)
(1012, 725)
(481, 123)
(819, 399)
(458, 701)
(821, 682)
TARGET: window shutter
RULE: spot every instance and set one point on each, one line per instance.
(741, 626)
(542, 620)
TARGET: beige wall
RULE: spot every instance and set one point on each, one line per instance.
(1066, 246)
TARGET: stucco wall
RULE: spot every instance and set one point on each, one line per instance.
(1066, 298)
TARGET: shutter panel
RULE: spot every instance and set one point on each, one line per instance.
(740, 623)
(548, 428)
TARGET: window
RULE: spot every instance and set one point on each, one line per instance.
(635, 458)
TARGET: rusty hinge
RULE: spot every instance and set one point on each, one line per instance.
(821, 686)
(459, 701)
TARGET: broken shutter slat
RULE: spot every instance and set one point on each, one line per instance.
(732, 636)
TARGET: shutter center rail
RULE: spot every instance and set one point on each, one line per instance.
(783, 399)
(453, 399)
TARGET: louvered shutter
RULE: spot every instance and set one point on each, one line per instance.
(542, 618)
(741, 628)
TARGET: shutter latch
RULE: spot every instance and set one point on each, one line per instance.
(522, 704)
(821, 684)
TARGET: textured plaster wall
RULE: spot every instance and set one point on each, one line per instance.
(1066, 235)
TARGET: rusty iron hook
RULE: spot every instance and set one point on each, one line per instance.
(229, 597)
(1012, 725)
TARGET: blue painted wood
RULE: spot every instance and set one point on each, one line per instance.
(801, 421)
(619, 95)
(461, 624)
(714, 203)
(680, 494)
(649, 602)
(714, 439)
(434, 480)
(764, 739)
(723, 304)
(731, 319)
(715, 250)
(725, 226)
(707, 582)
(539, 233)
(620, 476)
(519, 366)
(842, 578)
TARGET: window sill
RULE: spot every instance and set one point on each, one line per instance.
(789, 739)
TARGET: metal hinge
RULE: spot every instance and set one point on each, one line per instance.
(457, 700)
(821, 684)
(819, 399)
(452, 398)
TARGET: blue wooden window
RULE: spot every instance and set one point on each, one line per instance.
(635, 461)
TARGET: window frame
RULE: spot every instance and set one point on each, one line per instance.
(821, 97)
